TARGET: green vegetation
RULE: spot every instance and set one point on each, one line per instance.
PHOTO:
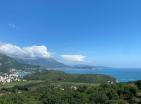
(7, 63)
(71, 93)
(64, 77)
(44, 62)
(55, 87)
(17, 83)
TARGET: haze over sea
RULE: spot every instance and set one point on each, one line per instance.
(122, 75)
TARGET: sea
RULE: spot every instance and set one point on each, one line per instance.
(122, 75)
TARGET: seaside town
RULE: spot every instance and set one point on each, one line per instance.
(10, 77)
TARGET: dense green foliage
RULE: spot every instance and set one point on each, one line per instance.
(51, 75)
(56, 93)
(56, 87)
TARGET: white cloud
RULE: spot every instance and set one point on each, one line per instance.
(25, 52)
(73, 58)
(35, 52)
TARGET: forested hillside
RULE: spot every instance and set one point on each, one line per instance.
(7, 63)
(51, 75)
(58, 93)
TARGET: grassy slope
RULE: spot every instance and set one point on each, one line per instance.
(21, 83)
(64, 77)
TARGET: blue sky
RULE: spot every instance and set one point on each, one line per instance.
(106, 32)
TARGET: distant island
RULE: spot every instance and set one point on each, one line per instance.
(82, 66)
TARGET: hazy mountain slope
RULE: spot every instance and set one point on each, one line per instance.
(7, 63)
(83, 66)
(47, 63)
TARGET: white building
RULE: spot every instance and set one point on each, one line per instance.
(9, 77)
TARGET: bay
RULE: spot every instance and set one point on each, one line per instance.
(122, 75)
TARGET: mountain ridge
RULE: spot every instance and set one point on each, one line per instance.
(43, 62)
(7, 63)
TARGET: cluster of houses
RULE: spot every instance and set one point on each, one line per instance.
(9, 77)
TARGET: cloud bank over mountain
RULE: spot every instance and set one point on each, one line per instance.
(31, 52)
(25, 52)
(73, 58)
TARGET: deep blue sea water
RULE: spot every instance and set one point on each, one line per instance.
(122, 75)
